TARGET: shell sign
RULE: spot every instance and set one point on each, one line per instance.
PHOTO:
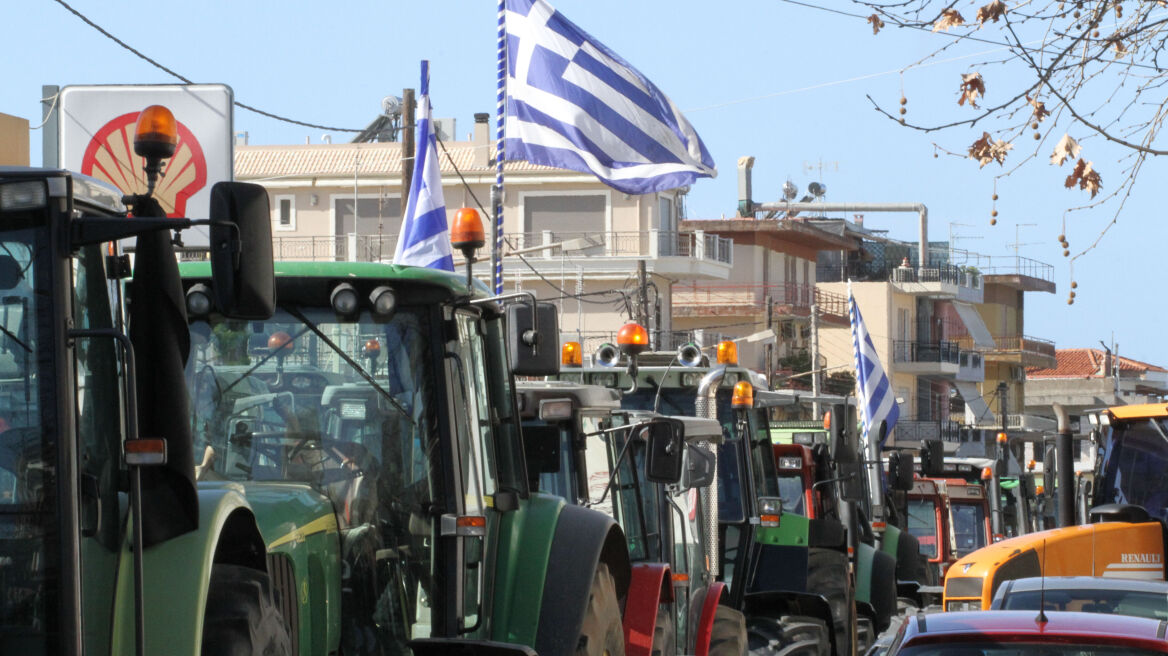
(96, 131)
(110, 157)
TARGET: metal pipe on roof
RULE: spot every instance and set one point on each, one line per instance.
(919, 208)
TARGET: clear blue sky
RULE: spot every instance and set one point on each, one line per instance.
(779, 81)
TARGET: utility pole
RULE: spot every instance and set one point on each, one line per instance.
(407, 147)
(815, 370)
(642, 294)
(769, 349)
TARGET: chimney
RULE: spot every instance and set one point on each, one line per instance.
(482, 141)
(1105, 369)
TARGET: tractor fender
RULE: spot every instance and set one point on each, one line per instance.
(583, 538)
(175, 578)
(705, 627)
(650, 585)
(876, 584)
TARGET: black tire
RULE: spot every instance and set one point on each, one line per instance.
(728, 635)
(883, 589)
(865, 634)
(602, 633)
(789, 636)
(241, 618)
(665, 632)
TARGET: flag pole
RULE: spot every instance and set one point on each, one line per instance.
(497, 190)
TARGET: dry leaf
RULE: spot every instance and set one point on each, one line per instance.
(1086, 177)
(1040, 111)
(949, 18)
(971, 86)
(992, 11)
(986, 150)
(1120, 49)
(1066, 148)
(876, 23)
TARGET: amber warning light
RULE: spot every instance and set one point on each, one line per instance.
(571, 355)
(743, 396)
(632, 338)
(727, 353)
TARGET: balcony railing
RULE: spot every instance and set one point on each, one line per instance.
(653, 243)
(909, 351)
(915, 430)
(368, 248)
(1024, 344)
(799, 297)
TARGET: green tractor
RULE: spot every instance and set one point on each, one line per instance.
(792, 584)
(583, 447)
(175, 483)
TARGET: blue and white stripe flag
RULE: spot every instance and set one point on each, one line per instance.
(425, 234)
(572, 103)
(876, 398)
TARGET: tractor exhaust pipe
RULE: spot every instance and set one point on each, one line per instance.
(1064, 464)
(706, 405)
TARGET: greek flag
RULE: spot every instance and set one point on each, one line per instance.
(572, 103)
(876, 399)
(425, 235)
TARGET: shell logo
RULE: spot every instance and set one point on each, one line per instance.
(110, 157)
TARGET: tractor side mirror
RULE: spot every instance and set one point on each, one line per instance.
(842, 432)
(665, 447)
(900, 470)
(932, 458)
(241, 250)
(533, 352)
(698, 467)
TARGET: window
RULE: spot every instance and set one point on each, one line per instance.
(376, 214)
(585, 213)
(284, 211)
(668, 219)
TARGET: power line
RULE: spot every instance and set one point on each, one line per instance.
(186, 80)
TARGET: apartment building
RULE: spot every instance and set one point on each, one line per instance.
(568, 237)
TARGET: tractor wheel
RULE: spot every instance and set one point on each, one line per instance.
(241, 618)
(728, 635)
(665, 632)
(790, 636)
(865, 634)
(602, 633)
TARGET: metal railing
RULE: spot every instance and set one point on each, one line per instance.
(369, 248)
(653, 243)
(798, 296)
(915, 430)
(1024, 344)
(910, 351)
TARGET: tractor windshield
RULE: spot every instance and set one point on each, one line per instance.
(969, 526)
(348, 408)
(1134, 462)
(29, 539)
(922, 524)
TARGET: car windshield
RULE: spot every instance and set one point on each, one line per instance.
(922, 524)
(1138, 603)
(1134, 462)
(1045, 648)
(968, 527)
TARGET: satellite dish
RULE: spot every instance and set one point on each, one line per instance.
(391, 106)
(817, 189)
(790, 190)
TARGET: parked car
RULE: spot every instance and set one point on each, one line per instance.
(1088, 594)
(1017, 633)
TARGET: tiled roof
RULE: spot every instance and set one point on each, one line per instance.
(329, 160)
(1086, 363)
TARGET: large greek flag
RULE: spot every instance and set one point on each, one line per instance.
(425, 235)
(572, 103)
(876, 398)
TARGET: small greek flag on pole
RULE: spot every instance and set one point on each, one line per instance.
(572, 103)
(876, 399)
(425, 235)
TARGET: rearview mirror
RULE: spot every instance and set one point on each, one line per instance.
(698, 467)
(844, 446)
(900, 470)
(241, 251)
(932, 458)
(665, 445)
(543, 357)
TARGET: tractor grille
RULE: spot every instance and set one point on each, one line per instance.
(283, 577)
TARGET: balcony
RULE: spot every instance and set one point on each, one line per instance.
(927, 358)
(1022, 351)
(1014, 422)
(941, 278)
(748, 300)
(358, 248)
(651, 244)
(909, 433)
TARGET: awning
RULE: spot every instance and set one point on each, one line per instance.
(976, 410)
(973, 323)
